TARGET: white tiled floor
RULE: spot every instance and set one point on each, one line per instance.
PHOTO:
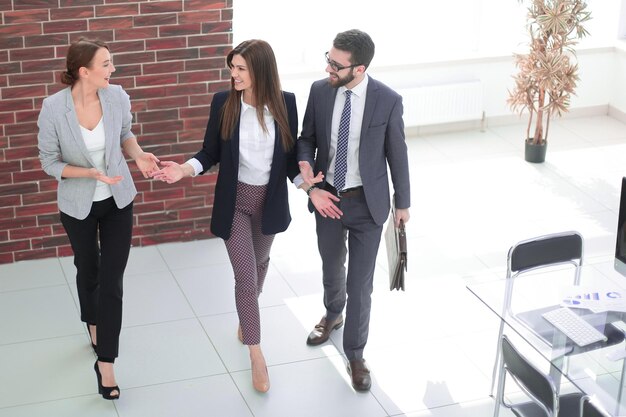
(431, 348)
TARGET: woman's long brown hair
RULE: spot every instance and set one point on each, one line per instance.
(266, 89)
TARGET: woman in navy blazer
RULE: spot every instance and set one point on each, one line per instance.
(251, 134)
(82, 132)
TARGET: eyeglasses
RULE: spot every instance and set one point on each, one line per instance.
(335, 66)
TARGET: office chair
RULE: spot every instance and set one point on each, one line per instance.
(538, 386)
(563, 248)
(589, 409)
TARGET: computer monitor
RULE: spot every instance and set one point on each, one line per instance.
(620, 243)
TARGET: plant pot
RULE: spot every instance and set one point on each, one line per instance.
(535, 153)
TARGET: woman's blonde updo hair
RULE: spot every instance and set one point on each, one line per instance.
(80, 54)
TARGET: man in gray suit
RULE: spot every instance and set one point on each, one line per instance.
(352, 131)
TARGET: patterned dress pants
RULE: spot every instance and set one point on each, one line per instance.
(249, 253)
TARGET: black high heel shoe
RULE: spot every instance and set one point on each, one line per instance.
(90, 339)
(105, 391)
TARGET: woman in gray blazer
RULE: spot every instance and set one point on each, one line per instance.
(82, 131)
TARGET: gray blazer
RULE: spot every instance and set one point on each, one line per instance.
(61, 143)
(382, 143)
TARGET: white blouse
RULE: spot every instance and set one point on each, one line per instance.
(94, 140)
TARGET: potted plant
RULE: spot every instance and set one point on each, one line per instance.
(548, 72)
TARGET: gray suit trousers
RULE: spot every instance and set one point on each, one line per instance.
(362, 235)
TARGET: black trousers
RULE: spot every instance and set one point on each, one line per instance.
(101, 244)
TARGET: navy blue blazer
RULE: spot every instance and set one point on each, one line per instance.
(276, 216)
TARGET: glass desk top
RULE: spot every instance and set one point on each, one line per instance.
(598, 369)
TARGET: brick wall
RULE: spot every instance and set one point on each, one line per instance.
(170, 58)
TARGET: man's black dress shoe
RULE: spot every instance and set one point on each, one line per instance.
(360, 375)
(322, 330)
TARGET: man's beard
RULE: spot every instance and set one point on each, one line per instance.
(339, 82)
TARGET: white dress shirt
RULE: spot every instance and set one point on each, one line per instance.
(94, 141)
(256, 147)
(353, 176)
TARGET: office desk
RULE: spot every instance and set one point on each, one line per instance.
(597, 370)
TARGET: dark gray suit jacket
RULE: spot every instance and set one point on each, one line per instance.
(382, 144)
(61, 143)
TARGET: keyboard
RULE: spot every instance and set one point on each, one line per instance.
(574, 326)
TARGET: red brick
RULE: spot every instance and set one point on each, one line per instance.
(203, 99)
(180, 30)
(184, 203)
(26, 16)
(4, 56)
(48, 185)
(29, 232)
(174, 55)
(12, 68)
(30, 163)
(56, 64)
(10, 42)
(6, 258)
(212, 39)
(167, 126)
(168, 102)
(160, 79)
(70, 3)
(63, 251)
(161, 217)
(214, 51)
(215, 27)
(46, 40)
(7, 118)
(156, 19)
(126, 46)
(117, 10)
(34, 4)
(67, 13)
(219, 86)
(10, 222)
(54, 88)
(35, 254)
(204, 4)
(14, 246)
(126, 70)
(111, 23)
(159, 115)
(190, 124)
(63, 26)
(164, 67)
(199, 16)
(4, 81)
(36, 209)
(20, 129)
(160, 7)
(196, 135)
(127, 83)
(103, 35)
(32, 78)
(10, 201)
(140, 208)
(22, 29)
(185, 89)
(198, 111)
(138, 105)
(136, 33)
(26, 176)
(26, 116)
(21, 92)
(168, 43)
(30, 53)
(19, 153)
(134, 58)
(166, 227)
(205, 63)
(198, 76)
(194, 213)
(49, 242)
(156, 140)
(148, 92)
(161, 195)
(52, 219)
(37, 198)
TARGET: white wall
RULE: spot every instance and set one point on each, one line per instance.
(618, 84)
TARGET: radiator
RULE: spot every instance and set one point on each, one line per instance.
(443, 103)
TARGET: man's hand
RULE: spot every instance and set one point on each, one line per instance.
(323, 201)
(307, 173)
(402, 214)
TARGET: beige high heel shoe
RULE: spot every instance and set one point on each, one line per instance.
(260, 376)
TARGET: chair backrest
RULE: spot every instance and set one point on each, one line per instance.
(546, 250)
(589, 409)
(536, 384)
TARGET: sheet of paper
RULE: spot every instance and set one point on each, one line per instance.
(595, 299)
